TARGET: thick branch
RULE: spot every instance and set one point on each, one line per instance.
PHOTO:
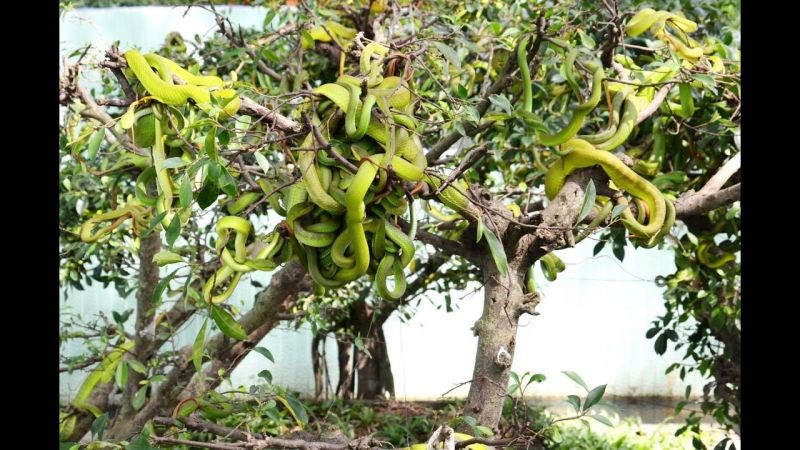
(259, 440)
(658, 99)
(724, 173)
(251, 108)
(697, 204)
(143, 340)
(280, 295)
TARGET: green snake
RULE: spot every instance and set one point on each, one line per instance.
(657, 22)
(343, 225)
(583, 155)
(102, 373)
(157, 76)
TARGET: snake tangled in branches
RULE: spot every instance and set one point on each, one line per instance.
(340, 223)
(355, 167)
(656, 213)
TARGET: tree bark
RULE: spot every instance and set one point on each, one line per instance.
(145, 310)
(496, 331)
(279, 296)
(504, 299)
(319, 365)
(346, 386)
(373, 369)
(148, 279)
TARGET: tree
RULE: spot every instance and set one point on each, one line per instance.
(506, 118)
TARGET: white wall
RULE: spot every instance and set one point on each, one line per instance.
(593, 319)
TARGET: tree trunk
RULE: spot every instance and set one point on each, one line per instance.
(346, 385)
(148, 279)
(496, 331)
(504, 300)
(319, 364)
(143, 341)
(373, 370)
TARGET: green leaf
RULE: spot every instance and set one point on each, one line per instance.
(266, 374)
(471, 113)
(598, 247)
(227, 183)
(173, 163)
(698, 444)
(617, 210)
(708, 82)
(211, 145)
(165, 257)
(602, 419)
(501, 102)
(121, 374)
(498, 253)
(139, 398)
(461, 92)
(588, 201)
(207, 195)
(471, 421)
(187, 408)
(157, 379)
(173, 231)
(197, 348)
(154, 223)
(482, 430)
(575, 401)
(185, 193)
(576, 378)
(95, 141)
(537, 378)
(687, 103)
(295, 409)
(594, 396)
(224, 138)
(227, 324)
(163, 284)
(459, 126)
(140, 443)
(99, 426)
(262, 161)
(671, 335)
(722, 444)
(651, 332)
(661, 344)
(137, 366)
(267, 354)
(618, 251)
(586, 40)
(449, 53)
(480, 229)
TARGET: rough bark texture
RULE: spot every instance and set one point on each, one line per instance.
(347, 383)
(373, 370)
(319, 365)
(504, 298)
(148, 279)
(143, 341)
(280, 295)
(496, 331)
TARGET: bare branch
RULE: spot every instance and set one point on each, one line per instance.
(251, 108)
(719, 179)
(658, 99)
(697, 203)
